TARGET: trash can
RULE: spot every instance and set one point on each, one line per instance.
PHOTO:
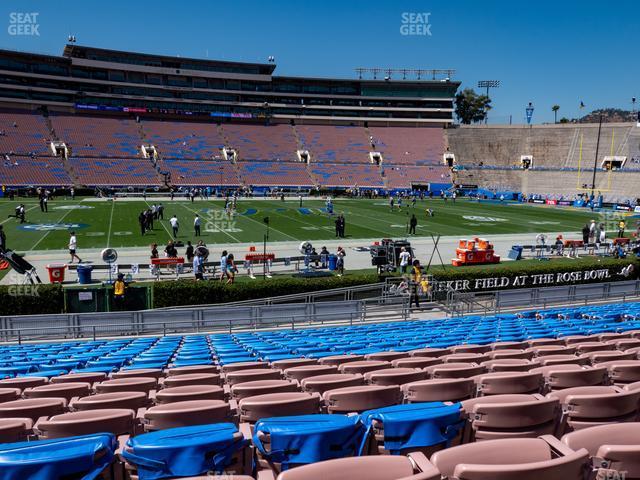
(84, 273)
(333, 262)
(56, 272)
(516, 252)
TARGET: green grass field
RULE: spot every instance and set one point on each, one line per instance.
(114, 224)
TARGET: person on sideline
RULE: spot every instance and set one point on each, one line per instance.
(119, 289)
(73, 246)
(340, 261)
(405, 258)
(196, 225)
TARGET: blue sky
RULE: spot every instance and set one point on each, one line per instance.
(543, 52)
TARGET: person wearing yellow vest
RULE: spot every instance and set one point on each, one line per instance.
(416, 279)
(119, 289)
(621, 226)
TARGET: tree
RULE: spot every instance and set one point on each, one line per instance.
(564, 120)
(555, 109)
(471, 107)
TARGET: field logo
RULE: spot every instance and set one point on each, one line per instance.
(415, 24)
(50, 227)
(24, 24)
(73, 207)
(475, 218)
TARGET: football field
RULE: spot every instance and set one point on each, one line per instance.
(100, 223)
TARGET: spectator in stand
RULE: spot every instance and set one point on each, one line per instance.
(175, 225)
(73, 246)
(154, 250)
(196, 225)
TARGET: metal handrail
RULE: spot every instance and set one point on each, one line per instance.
(366, 313)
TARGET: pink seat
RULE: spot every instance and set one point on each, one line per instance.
(415, 362)
(361, 398)
(394, 376)
(254, 408)
(191, 379)
(301, 372)
(132, 384)
(192, 369)
(386, 356)
(510, 365)
(461, 357)
(59, 390)
(33, 408)
(364, 366)
(23, 382)
(510, 416)
(471, 348)
(589, 406)
(186, 413)
(439, 390)
(88, 377)
(262, 387)
(340, 359)
(455, 370)
(382, 467)
(615, 448)
(430, 352)
(115, 421)
(499, 383)
(517, 458)
(15, 429)
(253, 374)
(9, 394)
(322, 383)
(189, 392)
(127, 400)
(558, 377)
(293, 362)
(140, 372)
(235, 367)
(622, 371)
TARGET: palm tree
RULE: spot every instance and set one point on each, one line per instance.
(555, 109)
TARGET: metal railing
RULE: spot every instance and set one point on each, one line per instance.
(97, 325)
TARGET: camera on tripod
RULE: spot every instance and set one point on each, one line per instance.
(386, 255)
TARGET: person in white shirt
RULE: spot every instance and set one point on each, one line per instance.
(73, 246)
(197, 266)
(405, 258)
(174, 225)
(196, 225)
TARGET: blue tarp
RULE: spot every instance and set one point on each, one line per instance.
(185, 451)
(305, 439)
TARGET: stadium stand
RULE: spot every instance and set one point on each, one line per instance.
(23, 132)
(270, 404)
(187, 140)
(259, 142)
(112, 171)
(98, 136)
(200, 172)
(334, 144)
(274, 173)
(17, 171)
(340, 174)
(402, 176)
(402, 145)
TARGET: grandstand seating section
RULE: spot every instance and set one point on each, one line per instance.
(403, 176)
(98, 136)
(335, 144)
(256, 142)
(275, 173)
(200, 172)
(112, 171)
(188, 140)
(23, 133)
(538, 394)
(341, 174)
(33, 171)
(402, 145)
